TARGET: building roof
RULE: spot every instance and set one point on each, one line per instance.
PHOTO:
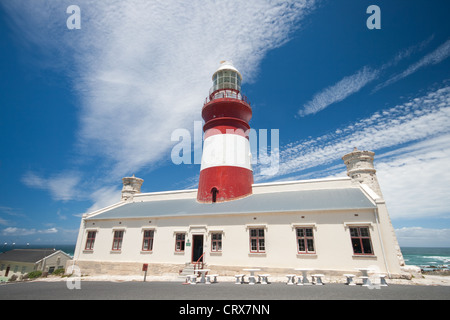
(288, 201)
(26, 255)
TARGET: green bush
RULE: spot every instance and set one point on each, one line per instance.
(58, 272)
(34, 274)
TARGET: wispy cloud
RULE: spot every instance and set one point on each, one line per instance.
(3, 222)
(13, 212)
(406, 53)
(413, 180)
(61, 186)
(435, 57)
(412, 176)
(339, 91)
(13, 231)
(143, 68)
(419, 118)
(10, 212)
(103, 197)
(355, 82)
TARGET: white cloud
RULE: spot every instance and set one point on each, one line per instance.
(143, 68)
(413, 177)
(3, 222)
(60, 215)
(61, 186)
(13, 231)
(355, 82)
(13, 212)
(339, 91)
(435, 57)
(104, 197)
(405, 53)
(420, 118)
(418, 236)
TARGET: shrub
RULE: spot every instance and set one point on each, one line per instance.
(58, 272)
(34, 274)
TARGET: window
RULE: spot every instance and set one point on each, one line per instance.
(361, 242)
(179, 242)
(257, 243)
(305, 240)
(90, 240)
(147, 243)
(216, 242)
(117, 242)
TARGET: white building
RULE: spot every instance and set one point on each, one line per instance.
(332, 225)
(19, 262)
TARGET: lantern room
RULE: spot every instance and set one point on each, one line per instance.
(227, 77)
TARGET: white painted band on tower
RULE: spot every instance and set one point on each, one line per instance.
(226, 150)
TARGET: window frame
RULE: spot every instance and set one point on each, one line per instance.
(359, 237)
(182, 242)
(305, 239)
(119, 239)
(150, 238)
(90, 240)
(257, 238)
(216, 244)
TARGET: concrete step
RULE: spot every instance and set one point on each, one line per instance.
(188, 269)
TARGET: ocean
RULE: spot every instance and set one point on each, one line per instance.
(426, 258)
(67, 248)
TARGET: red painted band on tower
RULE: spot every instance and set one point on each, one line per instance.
(230, 182)
(221, 125)
(234, 108)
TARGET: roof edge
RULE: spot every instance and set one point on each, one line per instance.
(301, 181)
(93, 213)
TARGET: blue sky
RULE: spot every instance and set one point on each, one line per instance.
(83, 108)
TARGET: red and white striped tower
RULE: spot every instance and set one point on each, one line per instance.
(226, 172)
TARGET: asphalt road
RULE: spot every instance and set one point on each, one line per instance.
(103, 290)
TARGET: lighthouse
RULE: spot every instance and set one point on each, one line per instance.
(225, 172)
(229, 221)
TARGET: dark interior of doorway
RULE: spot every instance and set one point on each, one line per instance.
(197, 247)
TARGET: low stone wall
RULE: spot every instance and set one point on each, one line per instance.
(121, 268)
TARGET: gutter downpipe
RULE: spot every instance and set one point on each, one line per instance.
(375, 211)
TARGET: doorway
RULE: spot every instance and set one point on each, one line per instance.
(197, 247)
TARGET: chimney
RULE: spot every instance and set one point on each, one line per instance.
(131, 185)
(360, 168)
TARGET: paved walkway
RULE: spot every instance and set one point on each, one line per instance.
(227, 291)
